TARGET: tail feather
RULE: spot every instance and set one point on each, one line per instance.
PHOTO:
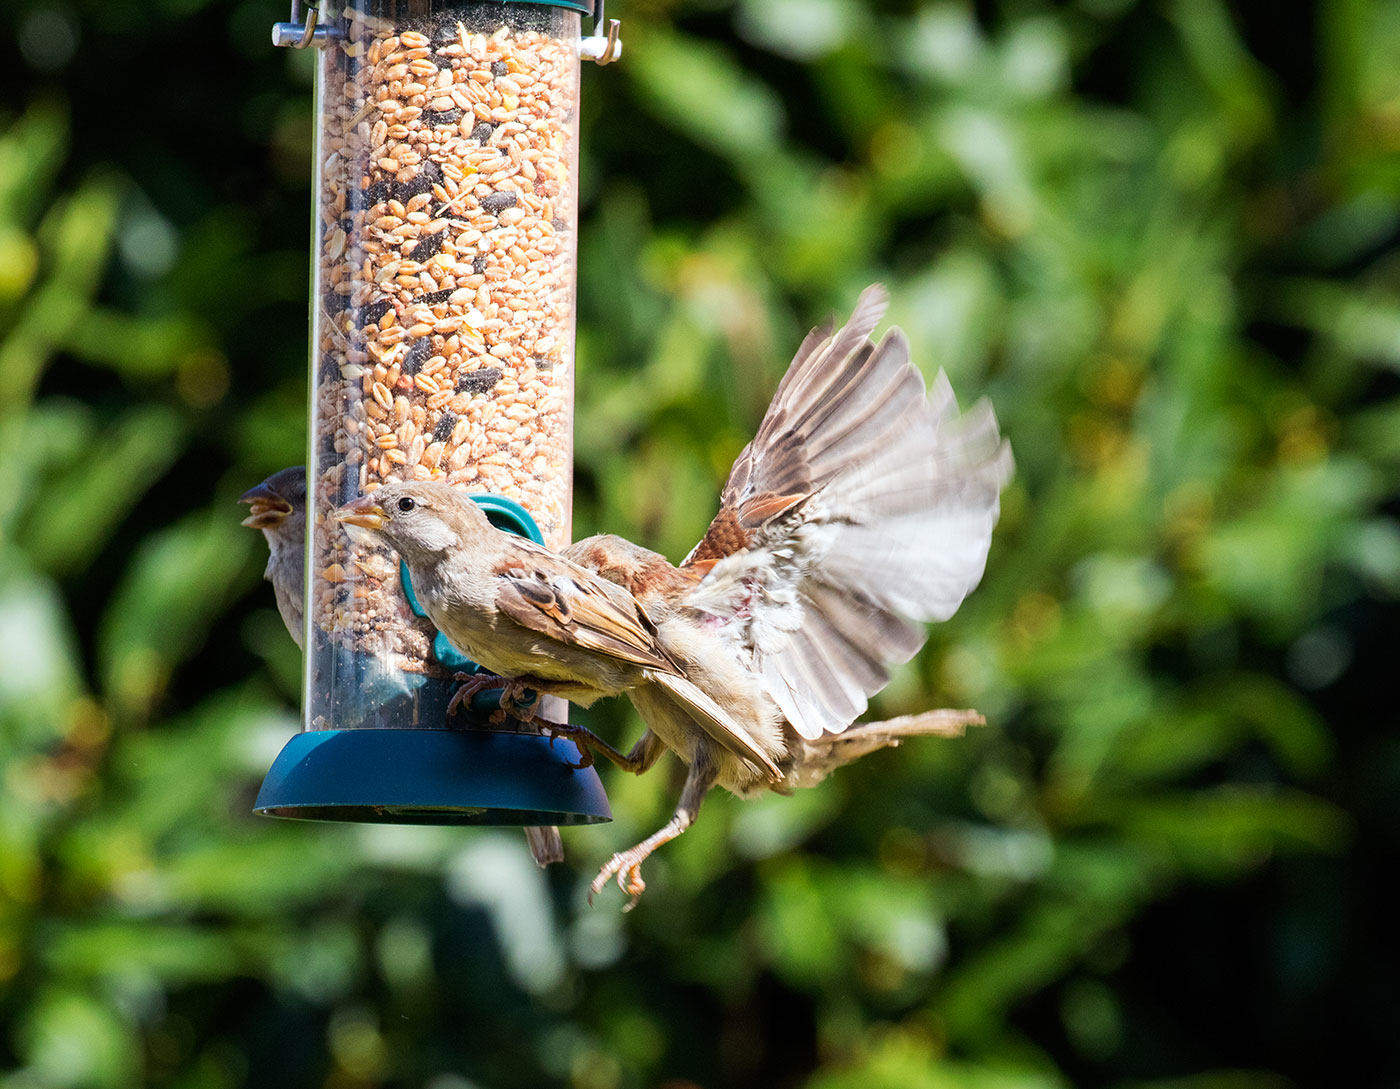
(818, 759)
(545, 844)
(945, 722)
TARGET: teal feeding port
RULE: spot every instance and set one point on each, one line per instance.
(398, 760)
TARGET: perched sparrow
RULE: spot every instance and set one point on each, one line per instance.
(522, 611)
(862, 508)
(279, 510)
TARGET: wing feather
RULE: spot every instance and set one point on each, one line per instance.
(572, 605)
(567, 602)
(715, 721)
(862, 504)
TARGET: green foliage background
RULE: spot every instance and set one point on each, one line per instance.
(1160, 236)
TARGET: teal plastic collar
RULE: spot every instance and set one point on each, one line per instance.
(584, 6)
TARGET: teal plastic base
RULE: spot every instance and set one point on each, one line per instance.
(431, 777)
(583, 6)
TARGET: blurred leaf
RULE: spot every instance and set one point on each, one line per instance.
(739, 119)
(1219, 831)
(799, 29)
(903, 1061)
(1100, 887)
(74, 237)
(70, 1040)
(174, 954)
(86, 498)
(774, 825)
(1270, 558)
(160, 611)
(39, 673)
(138, 348)
(1364, 323)
(31, 152)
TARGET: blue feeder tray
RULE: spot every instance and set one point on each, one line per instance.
(431, 777)
(468, 776)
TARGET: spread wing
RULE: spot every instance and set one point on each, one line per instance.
(862, 505)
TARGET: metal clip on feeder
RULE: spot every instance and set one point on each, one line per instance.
(603, 46)
(442, 348)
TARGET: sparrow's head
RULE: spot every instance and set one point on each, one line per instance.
(278, 498)
(419, 520)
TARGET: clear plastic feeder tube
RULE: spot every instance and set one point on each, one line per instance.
(443, 311)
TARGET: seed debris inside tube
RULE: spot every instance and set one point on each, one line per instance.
(446, 279)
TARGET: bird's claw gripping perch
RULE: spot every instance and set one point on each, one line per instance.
(519, 695)
(470, 685)
(556, 730)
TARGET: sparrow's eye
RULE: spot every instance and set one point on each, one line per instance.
(407, 504)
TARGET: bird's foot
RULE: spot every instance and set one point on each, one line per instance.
(626, 866)
(521, 695)
(471, 684)
(576, 734)
(553, 731)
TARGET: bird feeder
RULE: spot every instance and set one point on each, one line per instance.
(442, 349)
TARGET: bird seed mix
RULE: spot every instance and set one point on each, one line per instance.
(444, 285)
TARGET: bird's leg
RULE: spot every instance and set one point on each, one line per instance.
(626, 866)
(512, 689)
(638, 759)
(642, 755)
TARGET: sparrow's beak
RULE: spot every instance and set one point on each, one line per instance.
(267, 507)
(363, 512)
